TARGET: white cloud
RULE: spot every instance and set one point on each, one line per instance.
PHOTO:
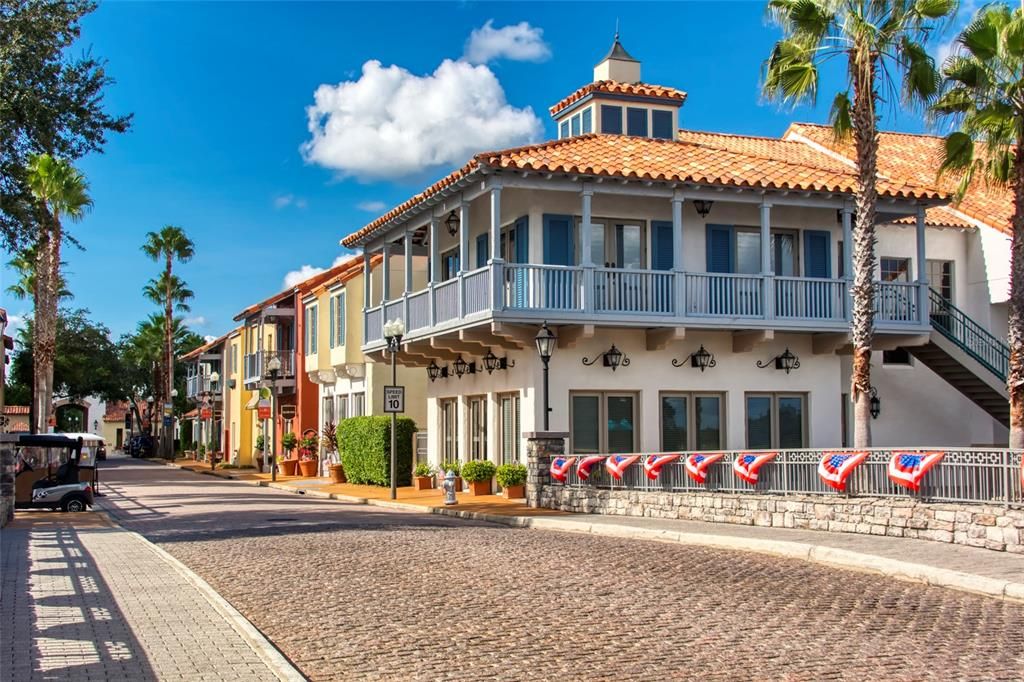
(285, 200)
(197, 321)
(371, 206)
(209, 337)
(295, 277)
(945, 49)
(519, 42)
(391, 123)
(14, 324)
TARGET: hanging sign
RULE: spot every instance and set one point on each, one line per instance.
(205, 413)
(263, 409)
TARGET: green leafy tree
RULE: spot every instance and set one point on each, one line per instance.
(983, 95)
(60, 192)
(170, 244)
(50, 102)
(883, 44)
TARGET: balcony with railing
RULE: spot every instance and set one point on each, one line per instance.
(526, 292)
(255, 365)
(197, 385)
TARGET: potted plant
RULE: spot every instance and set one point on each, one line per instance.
(287, 462)
(423, 476)
(512, 479)
(329, 440)
(456, 469)
(479, 472)
(258, 451)
(308, 454)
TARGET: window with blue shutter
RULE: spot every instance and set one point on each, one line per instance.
(333, 321)
(588, 125)
(662, 246)
(636, 122)
(481, 250)
(611, 120)
(661, 124)
(719, 248)
(817, 254)
(522, 228)
(558, 240)
(563, 130)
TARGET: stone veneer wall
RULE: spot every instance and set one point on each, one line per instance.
(990, 526)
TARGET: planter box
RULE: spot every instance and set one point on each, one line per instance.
(423, 482)
(308, 467)
(514, 492)
(480, 487)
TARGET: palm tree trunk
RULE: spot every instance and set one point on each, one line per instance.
(168, 358)
(44, 342)
(1015, 373)
(863, 287)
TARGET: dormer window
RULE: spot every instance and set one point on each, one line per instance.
(580, 123)
(611, 119)
(636, 122)
(661, 124)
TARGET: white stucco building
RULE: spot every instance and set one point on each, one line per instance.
(628, 232)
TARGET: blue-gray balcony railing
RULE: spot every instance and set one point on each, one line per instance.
(585, 294)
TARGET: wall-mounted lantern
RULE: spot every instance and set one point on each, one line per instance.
(613, 357)
(493, 362)
(434, 372)
(452, 223)
(462, 367)
(703, 207)
(787, 362)
(701, 359)
(876, 403)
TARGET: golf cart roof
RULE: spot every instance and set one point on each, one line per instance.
(48, 440)
(88, 438)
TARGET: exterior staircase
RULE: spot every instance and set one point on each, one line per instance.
(968, 357)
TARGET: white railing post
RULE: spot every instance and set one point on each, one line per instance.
(462, 294)
(431, 304)
(923, 316)
(497, 277)
(589, 289)
(768, 283)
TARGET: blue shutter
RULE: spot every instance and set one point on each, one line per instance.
(558, 240)
(481, 250)
(661, 245)
(719, 248)
(522, 228)
(330, 302)
(817, 254)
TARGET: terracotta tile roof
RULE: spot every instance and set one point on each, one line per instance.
(699, 158)
(917, 158)
(16, 409)
(351, 269)
(618, 88)
(206, 346)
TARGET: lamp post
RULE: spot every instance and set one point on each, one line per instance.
(149, 410)
(393, 333)
(273, 368)
(546, 341)
(208, 393)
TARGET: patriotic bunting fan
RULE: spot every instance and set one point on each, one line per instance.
(586, 464)
(617, 464)
(560, 467)
(908, 468)
(835, 467)
(747, 464)
(697, 466)
(653, 464)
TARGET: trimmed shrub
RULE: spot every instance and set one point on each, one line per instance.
(423, 469)
(511, 474)
(365, 446)
(453, 467)
(478, 470)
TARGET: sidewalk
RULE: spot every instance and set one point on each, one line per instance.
(971, 569)
(83, 599)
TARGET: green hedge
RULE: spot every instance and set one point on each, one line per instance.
(365, 447)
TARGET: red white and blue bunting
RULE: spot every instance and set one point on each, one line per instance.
(617, 464)
(908, 468)
(747, 464)
(653, 464)
(560, 467)
(697, 465)
(835, 467)
(586, 464)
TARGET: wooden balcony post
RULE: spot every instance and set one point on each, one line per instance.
(923, 316)
(586, 257)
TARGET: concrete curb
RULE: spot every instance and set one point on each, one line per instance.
(820, 554)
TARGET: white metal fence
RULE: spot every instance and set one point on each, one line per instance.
(975, 475)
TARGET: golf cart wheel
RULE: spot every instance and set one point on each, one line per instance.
(75, 504)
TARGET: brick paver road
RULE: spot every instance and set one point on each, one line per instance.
(353, 592)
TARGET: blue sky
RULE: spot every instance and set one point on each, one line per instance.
(221, 140)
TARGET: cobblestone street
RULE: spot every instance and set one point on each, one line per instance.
(352, 592)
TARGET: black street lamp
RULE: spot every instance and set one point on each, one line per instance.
(273, 369)
(393, 333)
(546, 342)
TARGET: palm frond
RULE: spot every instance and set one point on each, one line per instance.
(839, 116)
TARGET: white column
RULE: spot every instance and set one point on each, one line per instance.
(495, 249)
(407, 245)
(766, 258)
(677, 253)
(464, 237)
(586, 258)
(386, 273)
(922, 270)
(435, 249)
(847, 215)
(367, 282)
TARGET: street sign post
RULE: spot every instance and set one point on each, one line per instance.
(263, 409)
(394, 399)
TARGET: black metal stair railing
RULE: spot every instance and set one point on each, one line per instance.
(968, 335)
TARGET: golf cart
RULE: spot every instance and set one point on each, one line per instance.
(47, 474)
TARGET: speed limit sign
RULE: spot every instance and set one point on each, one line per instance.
(394, 399)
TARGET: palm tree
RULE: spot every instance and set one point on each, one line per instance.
(156, 290)
(880, 41)
(24, 263)
(983, 82)
(60, 191)
(171, 244)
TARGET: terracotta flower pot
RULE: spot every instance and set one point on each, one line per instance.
(308, 467)
(259, 461)
(514, 492)
(480, 487)
(287, 466)
(424, 482)
(337, 473)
